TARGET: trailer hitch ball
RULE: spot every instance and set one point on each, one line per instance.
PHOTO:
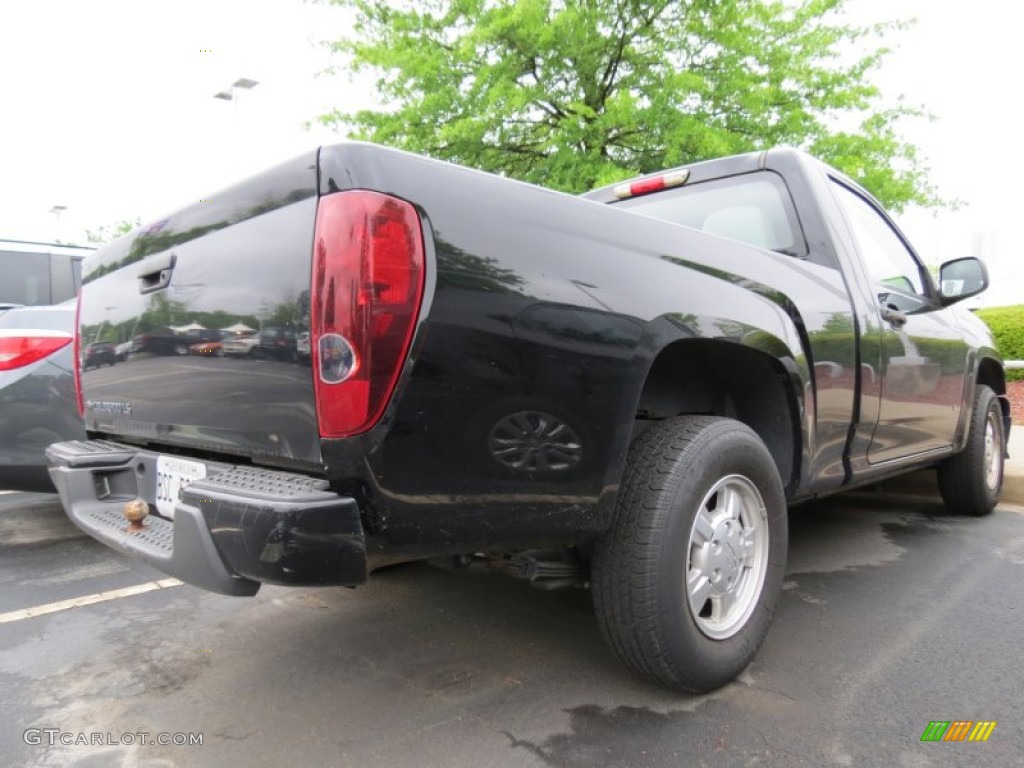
(135, 511)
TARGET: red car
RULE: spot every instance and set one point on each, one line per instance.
(212, 345)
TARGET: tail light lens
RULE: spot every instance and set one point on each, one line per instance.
(19, 348)
(652, 184)
(368, 276)
(77, 355)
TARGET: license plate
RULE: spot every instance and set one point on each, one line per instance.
(173, 474)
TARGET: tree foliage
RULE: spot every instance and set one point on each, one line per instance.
(107, 232)
(572, 94)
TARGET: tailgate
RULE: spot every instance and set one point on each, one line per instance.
(169, 294)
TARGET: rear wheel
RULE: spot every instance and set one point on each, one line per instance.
(970, 481)
(686, 581)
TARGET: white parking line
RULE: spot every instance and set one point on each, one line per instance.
(76, 602)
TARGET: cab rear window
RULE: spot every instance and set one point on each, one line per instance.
(753, 208)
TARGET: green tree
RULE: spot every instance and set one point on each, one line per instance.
(107, 232)
(163, 312)
(285, 314)
(573, 94)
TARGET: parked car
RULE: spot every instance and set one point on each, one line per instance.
(623, 393)
(37, 392)
(277, 344)
(302, 347)
(162, 342)
(211, 343)
(99, 353)
(242, 345)
(123, 350)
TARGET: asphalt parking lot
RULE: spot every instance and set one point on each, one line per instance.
(893, 615)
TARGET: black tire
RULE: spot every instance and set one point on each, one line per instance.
(640, 569)
(971, 481)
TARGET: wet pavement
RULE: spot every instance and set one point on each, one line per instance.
(893, 615)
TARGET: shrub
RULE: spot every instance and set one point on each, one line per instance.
(1007, 324)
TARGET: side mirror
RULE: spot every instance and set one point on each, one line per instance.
(962, 278)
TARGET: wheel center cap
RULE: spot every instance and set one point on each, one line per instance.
(725, 559)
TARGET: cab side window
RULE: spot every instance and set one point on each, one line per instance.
(898, 275)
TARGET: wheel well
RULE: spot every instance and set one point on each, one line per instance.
(991, 374)
(725, 379)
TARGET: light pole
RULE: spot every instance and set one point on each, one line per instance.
(231, 93)
(57, 210)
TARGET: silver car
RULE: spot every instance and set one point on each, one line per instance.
(37, 392)
(242, 345)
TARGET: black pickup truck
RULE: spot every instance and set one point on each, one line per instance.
(623, 392)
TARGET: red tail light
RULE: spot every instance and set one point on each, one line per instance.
(77, 355)
(19, 348)
(368, 276)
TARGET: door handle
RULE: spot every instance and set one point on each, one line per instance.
(893, 316)
(155, 272)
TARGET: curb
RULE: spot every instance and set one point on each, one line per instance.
(1013, 489)
(25, 502)
(923, 482)
(33, 519)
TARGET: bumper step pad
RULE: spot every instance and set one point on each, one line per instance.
(236, 528)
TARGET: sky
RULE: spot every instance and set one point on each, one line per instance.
(107, 109)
